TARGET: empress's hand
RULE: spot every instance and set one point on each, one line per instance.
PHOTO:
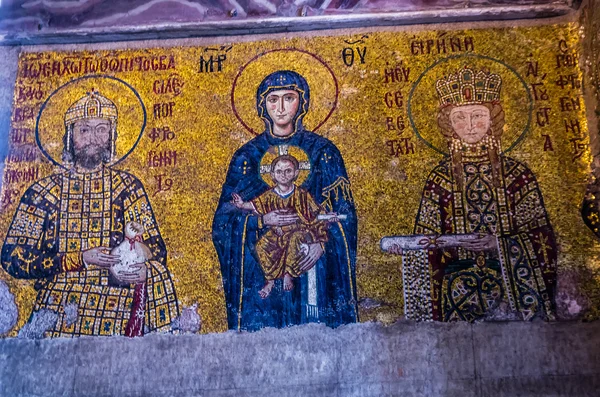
(279, 218)
(486, 242)
(136, 274)
(395, 249)
(100, 256)
(314, 253)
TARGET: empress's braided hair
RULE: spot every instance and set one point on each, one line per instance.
(495, 132)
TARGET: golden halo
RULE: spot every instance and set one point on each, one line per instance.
(131, 119)
(319, 76)
(424, 103)
(280, 150)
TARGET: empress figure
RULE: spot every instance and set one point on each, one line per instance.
(326, 291)
(66, 224)
(503, 246)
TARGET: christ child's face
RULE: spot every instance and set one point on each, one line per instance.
(91, 137)
(282, 106)
(284, 173)
(470, 122)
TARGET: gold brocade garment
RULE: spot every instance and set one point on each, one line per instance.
(279, 251)
(458, 284)
(65, 214)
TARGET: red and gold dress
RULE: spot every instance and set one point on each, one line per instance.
(458, 284)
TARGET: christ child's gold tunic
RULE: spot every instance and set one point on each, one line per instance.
(279, 252)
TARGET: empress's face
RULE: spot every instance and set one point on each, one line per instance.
(91, 136)
(284, 173)
(470, 122)
(282, 106)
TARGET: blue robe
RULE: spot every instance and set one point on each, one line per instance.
(236, 232)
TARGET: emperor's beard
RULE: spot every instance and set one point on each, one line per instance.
(89, 159)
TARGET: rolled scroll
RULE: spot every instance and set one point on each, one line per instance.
(424, 241)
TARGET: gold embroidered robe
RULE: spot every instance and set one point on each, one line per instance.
(279, 253)
(458, 284)
(65, 214)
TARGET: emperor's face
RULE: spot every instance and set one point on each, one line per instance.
(282, 106)
(470, 122)
(91, 141)
(284, 173)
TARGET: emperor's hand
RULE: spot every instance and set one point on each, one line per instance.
(134, 274)
(100, 256)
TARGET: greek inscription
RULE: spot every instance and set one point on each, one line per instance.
(578, 148)
(442, 45)
(395, 123)
(161, 134)
(547, 143)
(163, 158)
(568, 104)
(75, 65)
(208, 65)
(397, 74)
(20, 136)
(568, 81)
(163, 110)
(393, 99)
(23, 113)
(33, 92)
(543, 117)
(539, 92)
(29, 174)
(400, 147)
(163, 183)
(348, 55)
(573, 126)
(172, 85)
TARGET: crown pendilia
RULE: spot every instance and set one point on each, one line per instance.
(469, 88)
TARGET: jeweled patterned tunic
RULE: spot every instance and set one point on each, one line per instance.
(65, 214)
(458, 284)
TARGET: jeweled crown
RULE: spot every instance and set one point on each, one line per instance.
(467, 87)
(93, 105)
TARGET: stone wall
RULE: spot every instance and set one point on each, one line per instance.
(364, 360)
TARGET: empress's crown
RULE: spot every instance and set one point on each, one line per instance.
(93, 105)
(469, 88)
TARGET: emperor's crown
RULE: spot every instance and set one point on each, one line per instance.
(469, 88)
(93, 105)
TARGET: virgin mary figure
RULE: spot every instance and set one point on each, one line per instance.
(483, 234)
(326, 291)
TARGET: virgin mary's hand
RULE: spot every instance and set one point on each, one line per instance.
(279, 218)
(315, 251)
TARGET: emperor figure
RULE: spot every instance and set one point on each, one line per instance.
(326, 290)
(65, 226)
(483, 236)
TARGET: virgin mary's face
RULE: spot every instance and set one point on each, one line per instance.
(282, 106)
(470, 122)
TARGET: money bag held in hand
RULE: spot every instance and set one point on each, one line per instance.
(132, 250)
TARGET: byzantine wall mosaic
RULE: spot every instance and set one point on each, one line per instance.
(434, 175)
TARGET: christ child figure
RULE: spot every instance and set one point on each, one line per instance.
(281, 249)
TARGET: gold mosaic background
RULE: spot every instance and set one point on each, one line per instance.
(386, 188)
